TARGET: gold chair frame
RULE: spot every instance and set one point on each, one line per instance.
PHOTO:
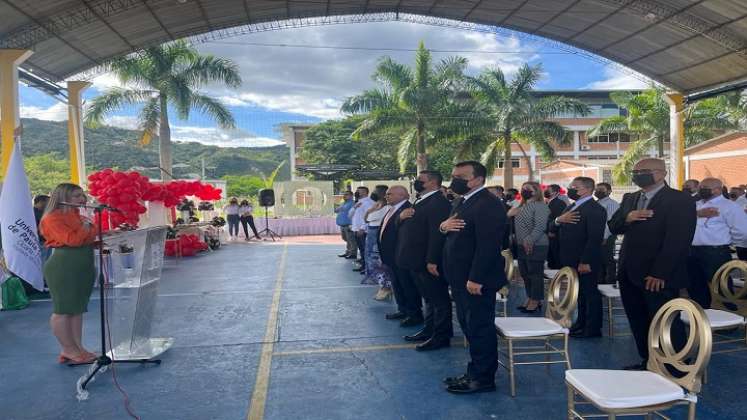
(692, 360)
(723, 296)
(613, 313)
(559, 309)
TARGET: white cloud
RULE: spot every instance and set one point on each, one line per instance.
(56, 112)
(617, 79)
(219, 137)
(122, 121)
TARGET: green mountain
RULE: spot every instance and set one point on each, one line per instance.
(111, 147)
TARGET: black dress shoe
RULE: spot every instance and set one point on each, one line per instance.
(351, 257)
(637, 366)
(471, 387)
(411, 322)
(396, 315)
(359, 269)
(345, 255)
(421, 335)
(586, 334)
(536, 309)
(453, 380)
(433, 344)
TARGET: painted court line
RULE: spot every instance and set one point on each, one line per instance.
(259, 395)
(345, 349)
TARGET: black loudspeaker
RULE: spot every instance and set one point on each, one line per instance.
(266, 198)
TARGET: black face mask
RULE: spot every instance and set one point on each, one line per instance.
(527, 194)
(733, 196)
(419, 185)
(644, 180)
(547, 194)
(705, 193)
(573, 194)
(459, 186)
(450, 197)
(374, 197)
(357, 195)
(600, 194)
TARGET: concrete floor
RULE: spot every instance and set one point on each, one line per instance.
(285, 331)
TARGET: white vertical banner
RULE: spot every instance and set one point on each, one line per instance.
(21, 246)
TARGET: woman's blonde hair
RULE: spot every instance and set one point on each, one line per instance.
(537, 191)
(63, 193)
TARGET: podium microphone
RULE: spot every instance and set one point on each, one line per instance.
(99, 207)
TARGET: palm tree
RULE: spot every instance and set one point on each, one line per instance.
(163, 76)
(507, 113)
(647, 121)
(411, 102)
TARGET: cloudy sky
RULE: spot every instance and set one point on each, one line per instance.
(304, 74)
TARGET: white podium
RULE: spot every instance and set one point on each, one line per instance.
(133, 266)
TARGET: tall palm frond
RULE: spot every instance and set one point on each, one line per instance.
(635, 152)
(111, 100)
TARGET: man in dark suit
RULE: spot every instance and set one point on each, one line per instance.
(419, 248)
(580, 231)
(658, 224)
(409, 303)
(557, 206)
(474, 267)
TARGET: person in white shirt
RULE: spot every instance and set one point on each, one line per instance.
(741, 200)
(721, 222)
(373, 218)
(359, 226)
(232, 217)
(247, 219)
(609, 266)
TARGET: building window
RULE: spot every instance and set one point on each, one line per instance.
(610, 138)
(515, 163)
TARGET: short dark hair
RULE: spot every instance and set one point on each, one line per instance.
(554, 188)
(606, 185)
(433, 176)
(363, 188)
(500, 188)
(381, 189)
(40, 198)
(478, 169)
(587, 182)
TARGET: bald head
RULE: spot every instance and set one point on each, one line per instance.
(396, 195)
(651, 164)
(711, 183)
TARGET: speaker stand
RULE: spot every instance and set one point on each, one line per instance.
(267, 231)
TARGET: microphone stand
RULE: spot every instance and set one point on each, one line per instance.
(103, 360)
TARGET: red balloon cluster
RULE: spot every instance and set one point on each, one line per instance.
(189, 244)
(127, 191)
(121, 190)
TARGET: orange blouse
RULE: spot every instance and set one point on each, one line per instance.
(66, 228)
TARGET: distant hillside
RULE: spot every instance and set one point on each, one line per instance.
(110, 147)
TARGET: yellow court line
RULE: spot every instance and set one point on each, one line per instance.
(259, 395)
(345, 349)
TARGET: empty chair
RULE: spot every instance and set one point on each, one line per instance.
(611, 294)
(561, 303)
(673, 377)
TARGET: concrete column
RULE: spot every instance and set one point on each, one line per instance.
(576, 145)
(75, 132)
(676, 138)
(10, 118)
(533, 162)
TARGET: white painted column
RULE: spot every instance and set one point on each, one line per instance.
(576, 145)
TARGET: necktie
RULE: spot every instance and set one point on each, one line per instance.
(642, 201)
(457, 205)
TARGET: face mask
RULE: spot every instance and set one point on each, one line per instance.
(357, 195)
(705, 193)
(419, 185)
(600, 194)
(547, 194)
(450, 197)
(644, 180)
(374, 197)
(573, 194)
(733, 196)
(459, 186)
(527, 194)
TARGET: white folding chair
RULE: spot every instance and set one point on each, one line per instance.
(646, 393)
(611, 295)
(561, 302)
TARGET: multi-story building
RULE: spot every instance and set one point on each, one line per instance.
(294, 136)
(592, 156)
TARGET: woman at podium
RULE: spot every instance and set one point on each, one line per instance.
(70, 270)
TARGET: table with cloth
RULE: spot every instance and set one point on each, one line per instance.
(300, 226)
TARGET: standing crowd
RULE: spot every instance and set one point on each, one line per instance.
(446, 244)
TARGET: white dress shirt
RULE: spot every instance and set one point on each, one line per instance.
(729, 227)
(742, 202)
(611, 206)
(359, 214)
(375, 217)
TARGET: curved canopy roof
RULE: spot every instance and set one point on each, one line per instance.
(688, 45)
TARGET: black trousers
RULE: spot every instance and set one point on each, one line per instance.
(360, 240)
(435, 293)
(248, 220)
(589, 303)
(609, 265)
(406, 294)
(641, 306)
(742, 253)
(476, 315)
(553, 259)
(702, 264)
